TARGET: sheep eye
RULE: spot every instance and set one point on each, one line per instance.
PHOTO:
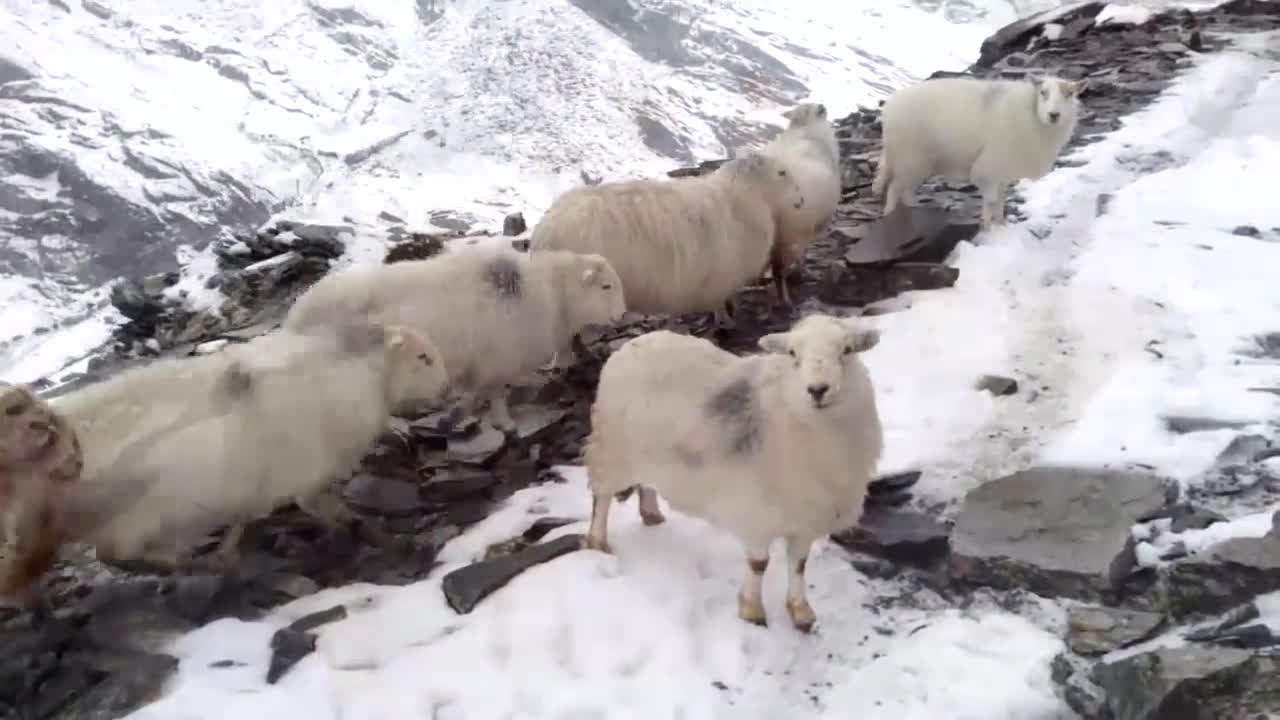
(848, 349)
(606, 286)
(14, 410)
(782, 173)
(426, 359)
(792, 353)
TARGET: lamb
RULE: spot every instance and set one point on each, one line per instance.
(282, 431)
(781, 443)
(680, 246)
(992, 132)
(809, 150)
(497, 315)
(39, 457)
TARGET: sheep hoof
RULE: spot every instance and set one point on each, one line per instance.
(752, 612)
(652, 518)
(601, 545)
(802, 616)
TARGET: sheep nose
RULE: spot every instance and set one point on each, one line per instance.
(819, 390)
(1053, 116)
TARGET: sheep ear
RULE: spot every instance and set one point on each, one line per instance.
(590, 274)
(1072, 89)
(822, 110)
(864, 340)
(790, 114)
(774, 343)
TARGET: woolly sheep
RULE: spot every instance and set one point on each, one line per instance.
(781, 443)
(282, 431)
(809, 150)
(39, 457)
(497, 315)
(680, 246)
(991, 132)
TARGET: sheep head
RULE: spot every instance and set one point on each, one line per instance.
(1056, 100)
(823, 351)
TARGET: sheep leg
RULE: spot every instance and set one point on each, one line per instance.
(750, 598)
(499, 413)
(228, 551)
(777, 267)
(598, 534)
(802, 615)
(325, 506)
(650, 512)
(993, 204)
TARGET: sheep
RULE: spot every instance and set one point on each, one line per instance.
(991, 132)
(680, 246)
(809, 150)
(496, 314)
(781, 443)
(40, 456)
(283, 431)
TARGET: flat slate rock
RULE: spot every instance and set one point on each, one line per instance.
(1194, 682)
(1053, 531)
(1224, 575)
(1095, 630)
(903, 536)
(466, 586)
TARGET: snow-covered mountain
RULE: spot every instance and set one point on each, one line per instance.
(134, 134)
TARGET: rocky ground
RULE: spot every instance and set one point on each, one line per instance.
(94, 650)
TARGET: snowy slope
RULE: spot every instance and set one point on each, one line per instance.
(132, 129)
(1070, 296)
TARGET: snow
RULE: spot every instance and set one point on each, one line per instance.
(1197, 540)
(1070, 301)
(1116, 14)
(648, 632)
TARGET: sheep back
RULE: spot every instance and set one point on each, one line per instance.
(494, 314)
(679, 245)
(700, 425)
(287, 431)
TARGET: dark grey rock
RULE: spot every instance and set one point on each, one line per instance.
(857, 285)
(480, 448)
(997, 385)
(1183, 424)
(1079, 691)
(388, 496)
(1228, 620)
(1246, 231)
(318, 618)
(465, 587)
(901, 536)
(97, 9)
(1174, 682)
(921, 233)
(1053, 531)
(1096, 630)
(1257, 635)
(288, 648)
(1222, 576)
(1015, 35)
(514, 224)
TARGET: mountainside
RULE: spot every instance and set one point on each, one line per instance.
(133, 134)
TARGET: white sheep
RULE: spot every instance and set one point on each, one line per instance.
(990, 132)
(808, 148)
(40, 457)
(779, 444)
(680, 246)
(281, 431)
(497, 315)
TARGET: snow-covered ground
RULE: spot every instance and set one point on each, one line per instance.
(1111, 318)
(342, 111)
